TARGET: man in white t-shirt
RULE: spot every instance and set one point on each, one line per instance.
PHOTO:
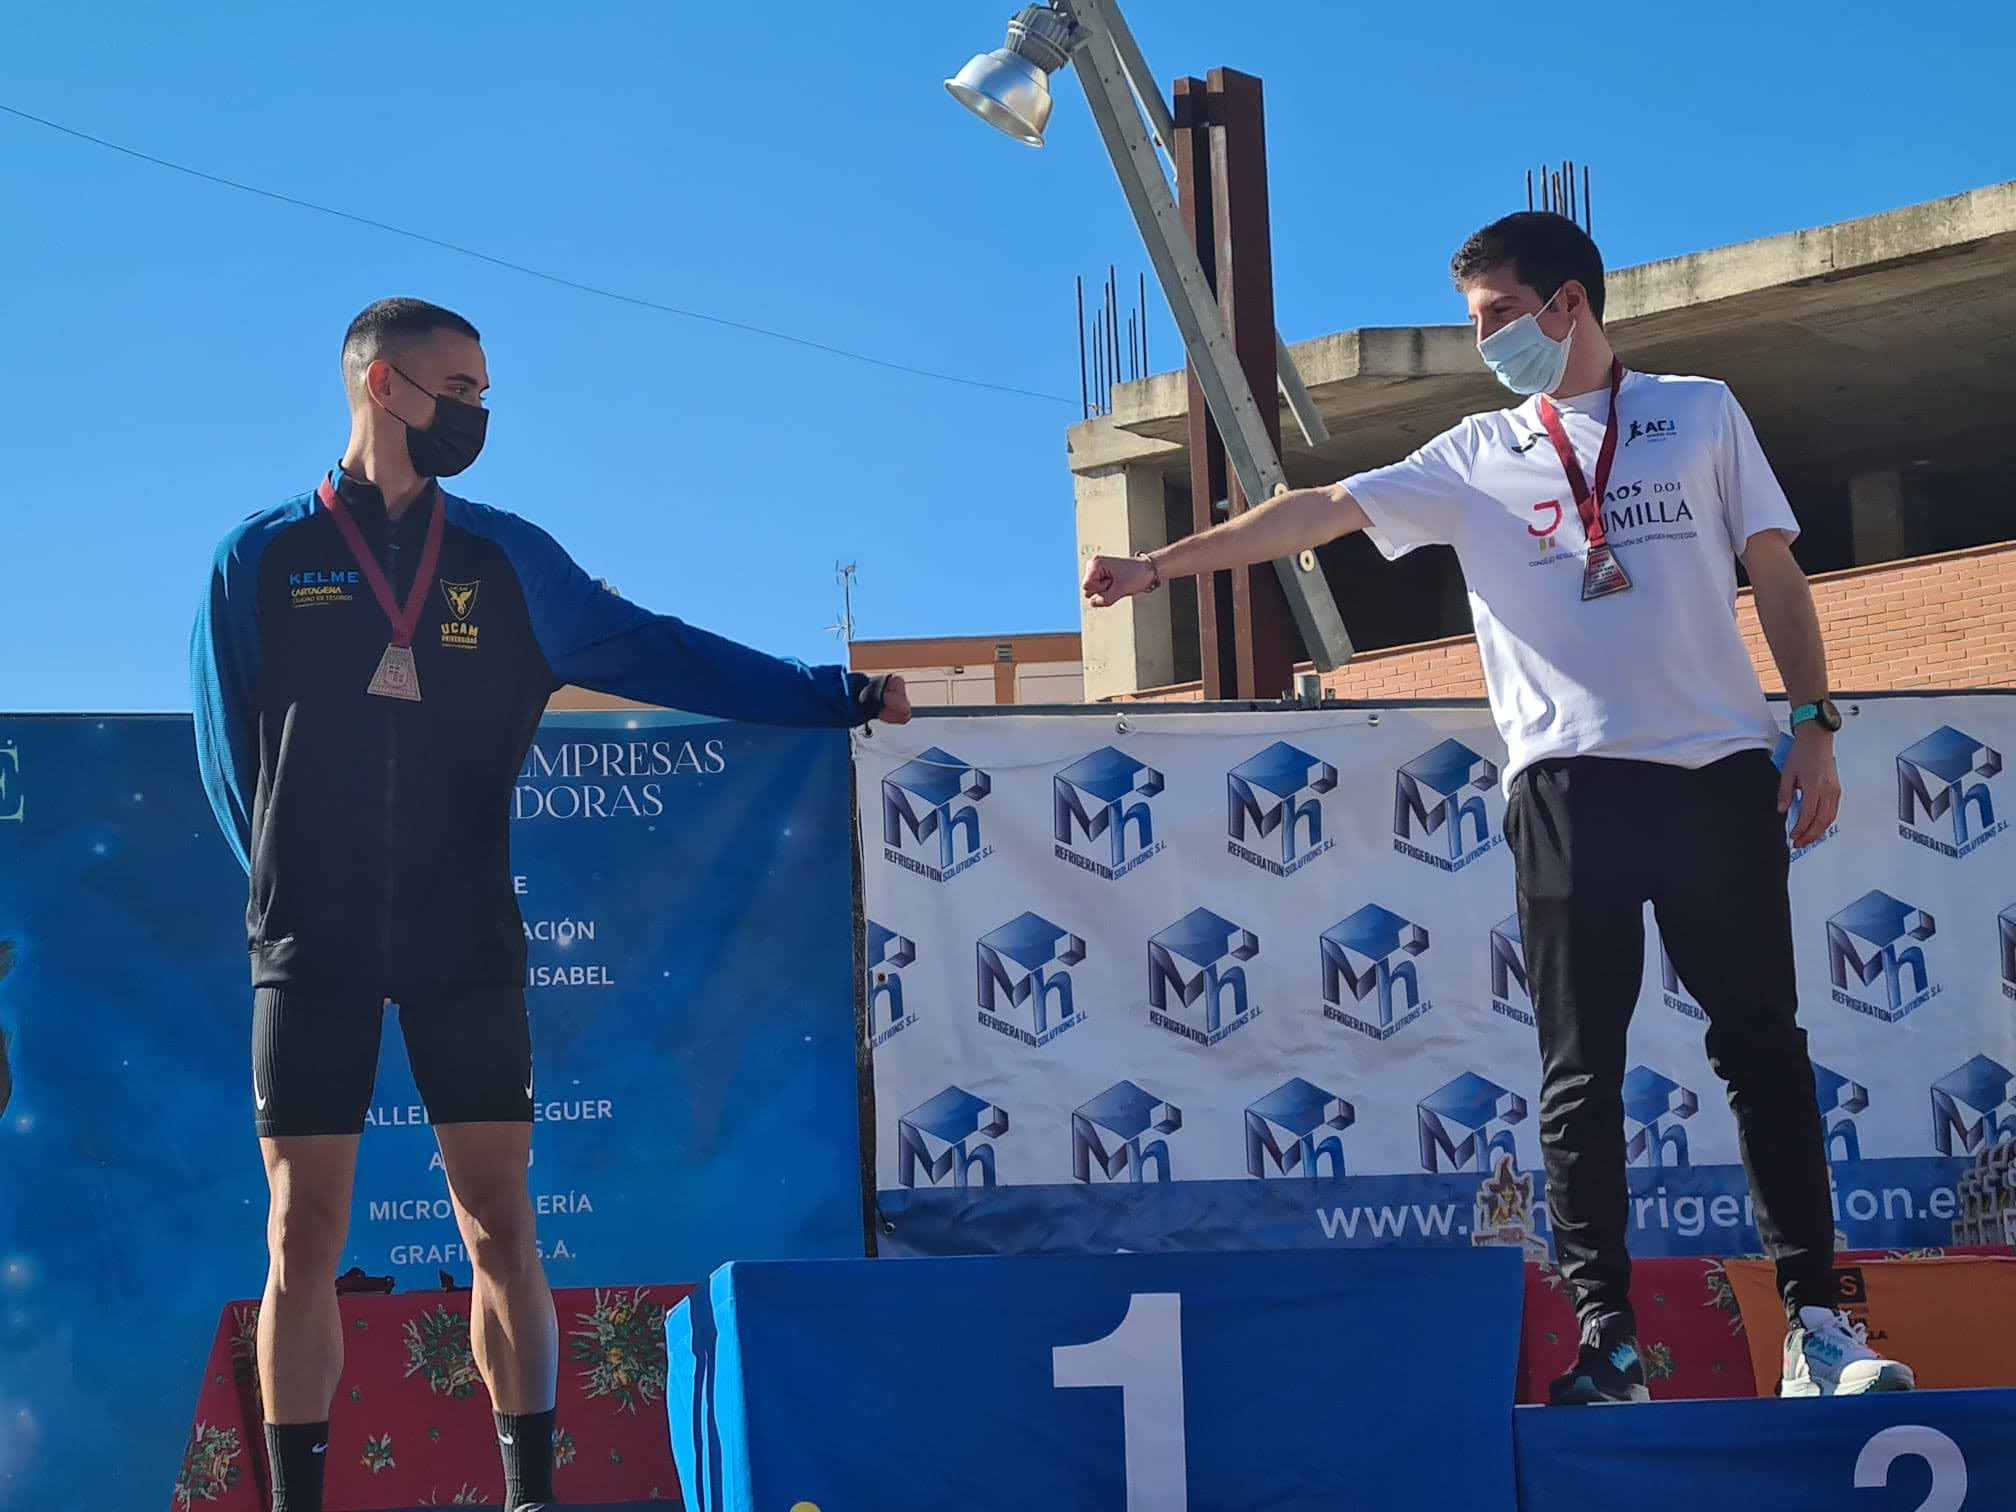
(1598, 525)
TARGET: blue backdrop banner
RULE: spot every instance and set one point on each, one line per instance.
(696, 1082)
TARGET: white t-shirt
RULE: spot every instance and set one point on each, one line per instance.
(1658, 672)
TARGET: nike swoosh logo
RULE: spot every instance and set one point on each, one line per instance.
(259, 1105)
(319, 1449)
(506, 1440)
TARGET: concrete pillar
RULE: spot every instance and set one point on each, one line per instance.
(1120, 512)
(1876, 515)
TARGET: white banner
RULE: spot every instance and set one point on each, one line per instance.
(1144, 979)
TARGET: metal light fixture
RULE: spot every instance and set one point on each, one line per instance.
(1009, 88)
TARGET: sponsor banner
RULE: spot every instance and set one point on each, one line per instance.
(1177, 979)
(1698, 1210)
(695, 1090)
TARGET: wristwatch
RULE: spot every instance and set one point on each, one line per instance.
(1822, 711)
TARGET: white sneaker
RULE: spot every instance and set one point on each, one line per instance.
(1826, 1354)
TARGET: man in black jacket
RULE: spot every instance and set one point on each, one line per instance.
(369, 669)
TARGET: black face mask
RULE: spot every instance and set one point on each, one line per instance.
(452, 442)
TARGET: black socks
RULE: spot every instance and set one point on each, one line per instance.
(298, 1451)
(525, 1440)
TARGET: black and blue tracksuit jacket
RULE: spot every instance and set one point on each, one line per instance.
(377, 831)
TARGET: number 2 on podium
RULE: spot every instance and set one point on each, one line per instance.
(1144, 1358)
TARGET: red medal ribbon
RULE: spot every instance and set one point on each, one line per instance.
(1588, 501)
(404, 621)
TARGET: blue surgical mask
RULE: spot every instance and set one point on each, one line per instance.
(1525, 358)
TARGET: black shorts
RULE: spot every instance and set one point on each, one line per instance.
(315, 1056)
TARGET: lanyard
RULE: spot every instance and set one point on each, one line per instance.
(404, 620)
(1602, 573)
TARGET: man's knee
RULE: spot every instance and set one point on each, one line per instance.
(500, 1232)
(304, 1235)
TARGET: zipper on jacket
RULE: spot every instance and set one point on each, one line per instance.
(391, 775)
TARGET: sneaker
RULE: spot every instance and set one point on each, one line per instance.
(1828, 1354)
(1602, 1373)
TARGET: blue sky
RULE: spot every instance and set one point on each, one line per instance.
(171, 345)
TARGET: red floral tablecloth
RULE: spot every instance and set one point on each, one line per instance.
(411, 1424)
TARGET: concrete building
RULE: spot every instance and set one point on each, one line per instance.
(1876, 357)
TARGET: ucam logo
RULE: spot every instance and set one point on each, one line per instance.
(1023, 970)
(2005, 923)
(930, 803)
(949, 1136)
(1840, 1098)
(888, 953)
(1429, 791)
(1934, 776)
(1105, 798)
(1285, 1131)
(1672, 991)
(1654, 1107)
(1463, 1121)
(1973, 1105)
(1261, 796)
(1193, 989)
(1868, 943)
(1108, 1134)
(1511, 991)
(1371, 955)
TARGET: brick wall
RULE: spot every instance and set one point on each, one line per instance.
(1931, 622)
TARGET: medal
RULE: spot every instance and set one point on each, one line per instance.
(398, 676)
(1602, 573)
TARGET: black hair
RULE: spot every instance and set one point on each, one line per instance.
(1545, 251)
(391, 324)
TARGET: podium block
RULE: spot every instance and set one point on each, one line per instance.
(1903, 1451)
(1121, 1383)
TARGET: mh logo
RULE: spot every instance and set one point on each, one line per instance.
(2005, 923)
(1106, 795)
(1932, 775)
(1429, 791)
(1464, 1121)
(1972, 1106)
(1023, 968)
(1284, 1131)
(888, 953)
(921, 799)
(1673, 991)
(950, 1135)
(1189, 969)
(1654, 1107)
(1371, 955)
(1261, 793)
(1511, 991)
(1841, 1098)
(1107, 1134)
(1867, 943)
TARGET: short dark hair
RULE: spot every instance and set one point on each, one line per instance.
(390, 324)
(1545, 250)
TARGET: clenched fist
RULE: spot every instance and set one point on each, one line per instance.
(1111, 579)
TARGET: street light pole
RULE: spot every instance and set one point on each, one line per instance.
(1118, 87)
